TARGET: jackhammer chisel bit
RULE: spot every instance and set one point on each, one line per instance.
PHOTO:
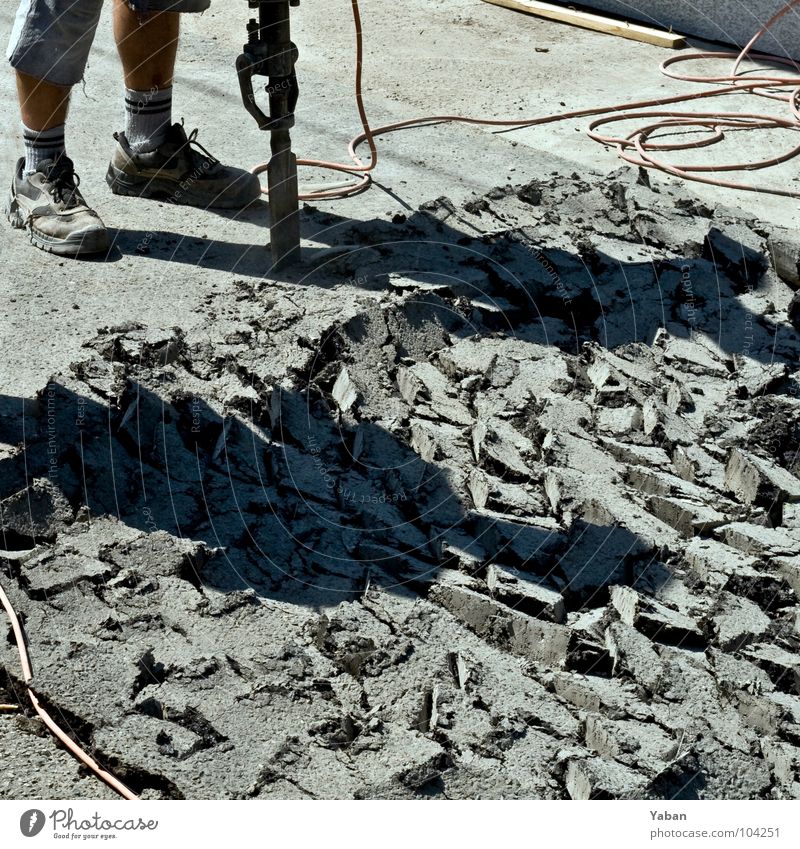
(270, 53)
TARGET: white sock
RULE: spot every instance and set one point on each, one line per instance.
(41, 146)
(148, 116)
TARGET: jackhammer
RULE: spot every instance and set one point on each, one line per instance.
(270, 53)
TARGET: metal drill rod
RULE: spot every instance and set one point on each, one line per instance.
(271, 53)
(282, 171)
(283, 204)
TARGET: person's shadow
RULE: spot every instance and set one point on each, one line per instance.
(297, 502)
(512, 280)
(293, 501)
(299, 505)
(289, 501)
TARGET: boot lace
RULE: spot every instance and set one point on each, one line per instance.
(200, 155)
(65, 182)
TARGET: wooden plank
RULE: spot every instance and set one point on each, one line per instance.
(590, 20)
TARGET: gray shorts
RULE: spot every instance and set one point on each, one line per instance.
(51, 38)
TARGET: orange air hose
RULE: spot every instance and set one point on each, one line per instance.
(52, 725)
(636, 147)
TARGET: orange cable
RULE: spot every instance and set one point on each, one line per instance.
(52, 725)
(638, 141)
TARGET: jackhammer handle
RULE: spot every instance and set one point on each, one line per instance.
(244, 73)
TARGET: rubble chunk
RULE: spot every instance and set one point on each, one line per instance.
(598, 778)
(645, 455)
(714, 562)
(40, 511)
(522, 593)
(545, 642)
(654, 619)
(621, 420)
(783, 667)
(689, 518)
(785, 254)
(754, 479)
(738, 622)
(424, 382)
(756, 539)
(633, 654)
(344, 391)
(754, 378)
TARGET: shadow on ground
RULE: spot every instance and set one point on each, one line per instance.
(306, 510)
(686, 272)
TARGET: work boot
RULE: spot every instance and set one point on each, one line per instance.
(182, 171)
(50, 207)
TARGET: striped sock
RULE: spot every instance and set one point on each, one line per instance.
(41, 146)
(148, 116)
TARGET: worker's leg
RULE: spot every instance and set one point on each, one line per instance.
(49, 46)
(147, 45)
(42, 105)
(43, 108)
(154, 157)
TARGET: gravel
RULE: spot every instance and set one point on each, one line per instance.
(514, 516)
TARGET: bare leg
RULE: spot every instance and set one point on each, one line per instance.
(146, 48)
(41, 104)
(45, 188)
(154, 157)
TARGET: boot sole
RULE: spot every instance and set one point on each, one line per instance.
(86, 245)
(129, 185)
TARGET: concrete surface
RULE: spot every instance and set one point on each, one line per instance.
(424, 74)
(494, 497)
